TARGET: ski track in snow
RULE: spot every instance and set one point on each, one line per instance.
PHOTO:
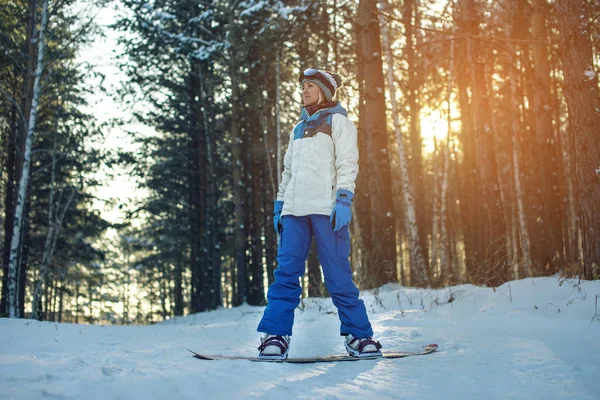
(542, 344)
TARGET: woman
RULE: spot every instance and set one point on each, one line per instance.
(315, 199)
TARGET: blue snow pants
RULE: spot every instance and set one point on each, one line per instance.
(333, 249)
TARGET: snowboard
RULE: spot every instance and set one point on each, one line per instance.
(325, 359)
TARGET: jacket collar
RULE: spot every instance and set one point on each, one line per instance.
(336, 109)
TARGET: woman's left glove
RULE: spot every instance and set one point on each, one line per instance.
(277, 207)
(342, 212)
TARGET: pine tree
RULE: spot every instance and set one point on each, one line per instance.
(583, 99)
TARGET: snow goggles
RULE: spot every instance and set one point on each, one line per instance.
(321, 76)
(311, 71)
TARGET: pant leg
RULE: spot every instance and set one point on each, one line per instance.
(284, 294)
(334, 249)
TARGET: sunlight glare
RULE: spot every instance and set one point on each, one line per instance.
(434, 127)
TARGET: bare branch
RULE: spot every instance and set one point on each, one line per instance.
(484, 38)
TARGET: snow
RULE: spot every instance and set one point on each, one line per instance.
(206, 52)
(164, 15)
(252, 7)
(202, 17)
(286, 12)
(529, 339)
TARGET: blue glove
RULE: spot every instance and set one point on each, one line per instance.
(342, 212)
(277, 206)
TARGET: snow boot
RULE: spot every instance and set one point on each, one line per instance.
(274, 347)
(362, 347)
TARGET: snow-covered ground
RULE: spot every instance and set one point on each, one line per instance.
(529, 339)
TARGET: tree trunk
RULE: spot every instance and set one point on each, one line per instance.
(55, 220)
(164, 292)
(272, 151)
(323, 37)
(24, 181)
(516, 152)
(258, 178)
(16, 148)
(315, 282)
(517, 149)
(446, 268)
(209, 253)
(212, 192)
(411, 13)
(77, 303)
(47, 297)
(279, 159)
(196, 179)
(546, 150)
(468, 205)
(382, 261)
(492, 229)
(417, 260)
(361, 205)
(239, 212)
(10, 144)
(61, 296)
(178, 294)
(583, 99)
(436, 165)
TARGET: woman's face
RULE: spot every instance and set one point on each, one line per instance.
(311, 94)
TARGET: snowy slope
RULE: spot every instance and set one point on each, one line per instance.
(529, 339)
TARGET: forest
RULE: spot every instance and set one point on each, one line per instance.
(478, 133)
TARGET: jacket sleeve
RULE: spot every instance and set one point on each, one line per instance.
(286, 175)
(344, 135)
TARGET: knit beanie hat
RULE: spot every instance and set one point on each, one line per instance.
(327, 81)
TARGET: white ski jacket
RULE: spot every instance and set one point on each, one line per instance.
(318, 162)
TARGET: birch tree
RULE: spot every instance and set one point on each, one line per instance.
(414, 79)
(410, 218)
(516, 154)
(24, 181)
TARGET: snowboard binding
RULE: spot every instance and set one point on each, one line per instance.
(365, 347)
(274, 347)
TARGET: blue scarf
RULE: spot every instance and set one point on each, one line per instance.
(309, 123)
